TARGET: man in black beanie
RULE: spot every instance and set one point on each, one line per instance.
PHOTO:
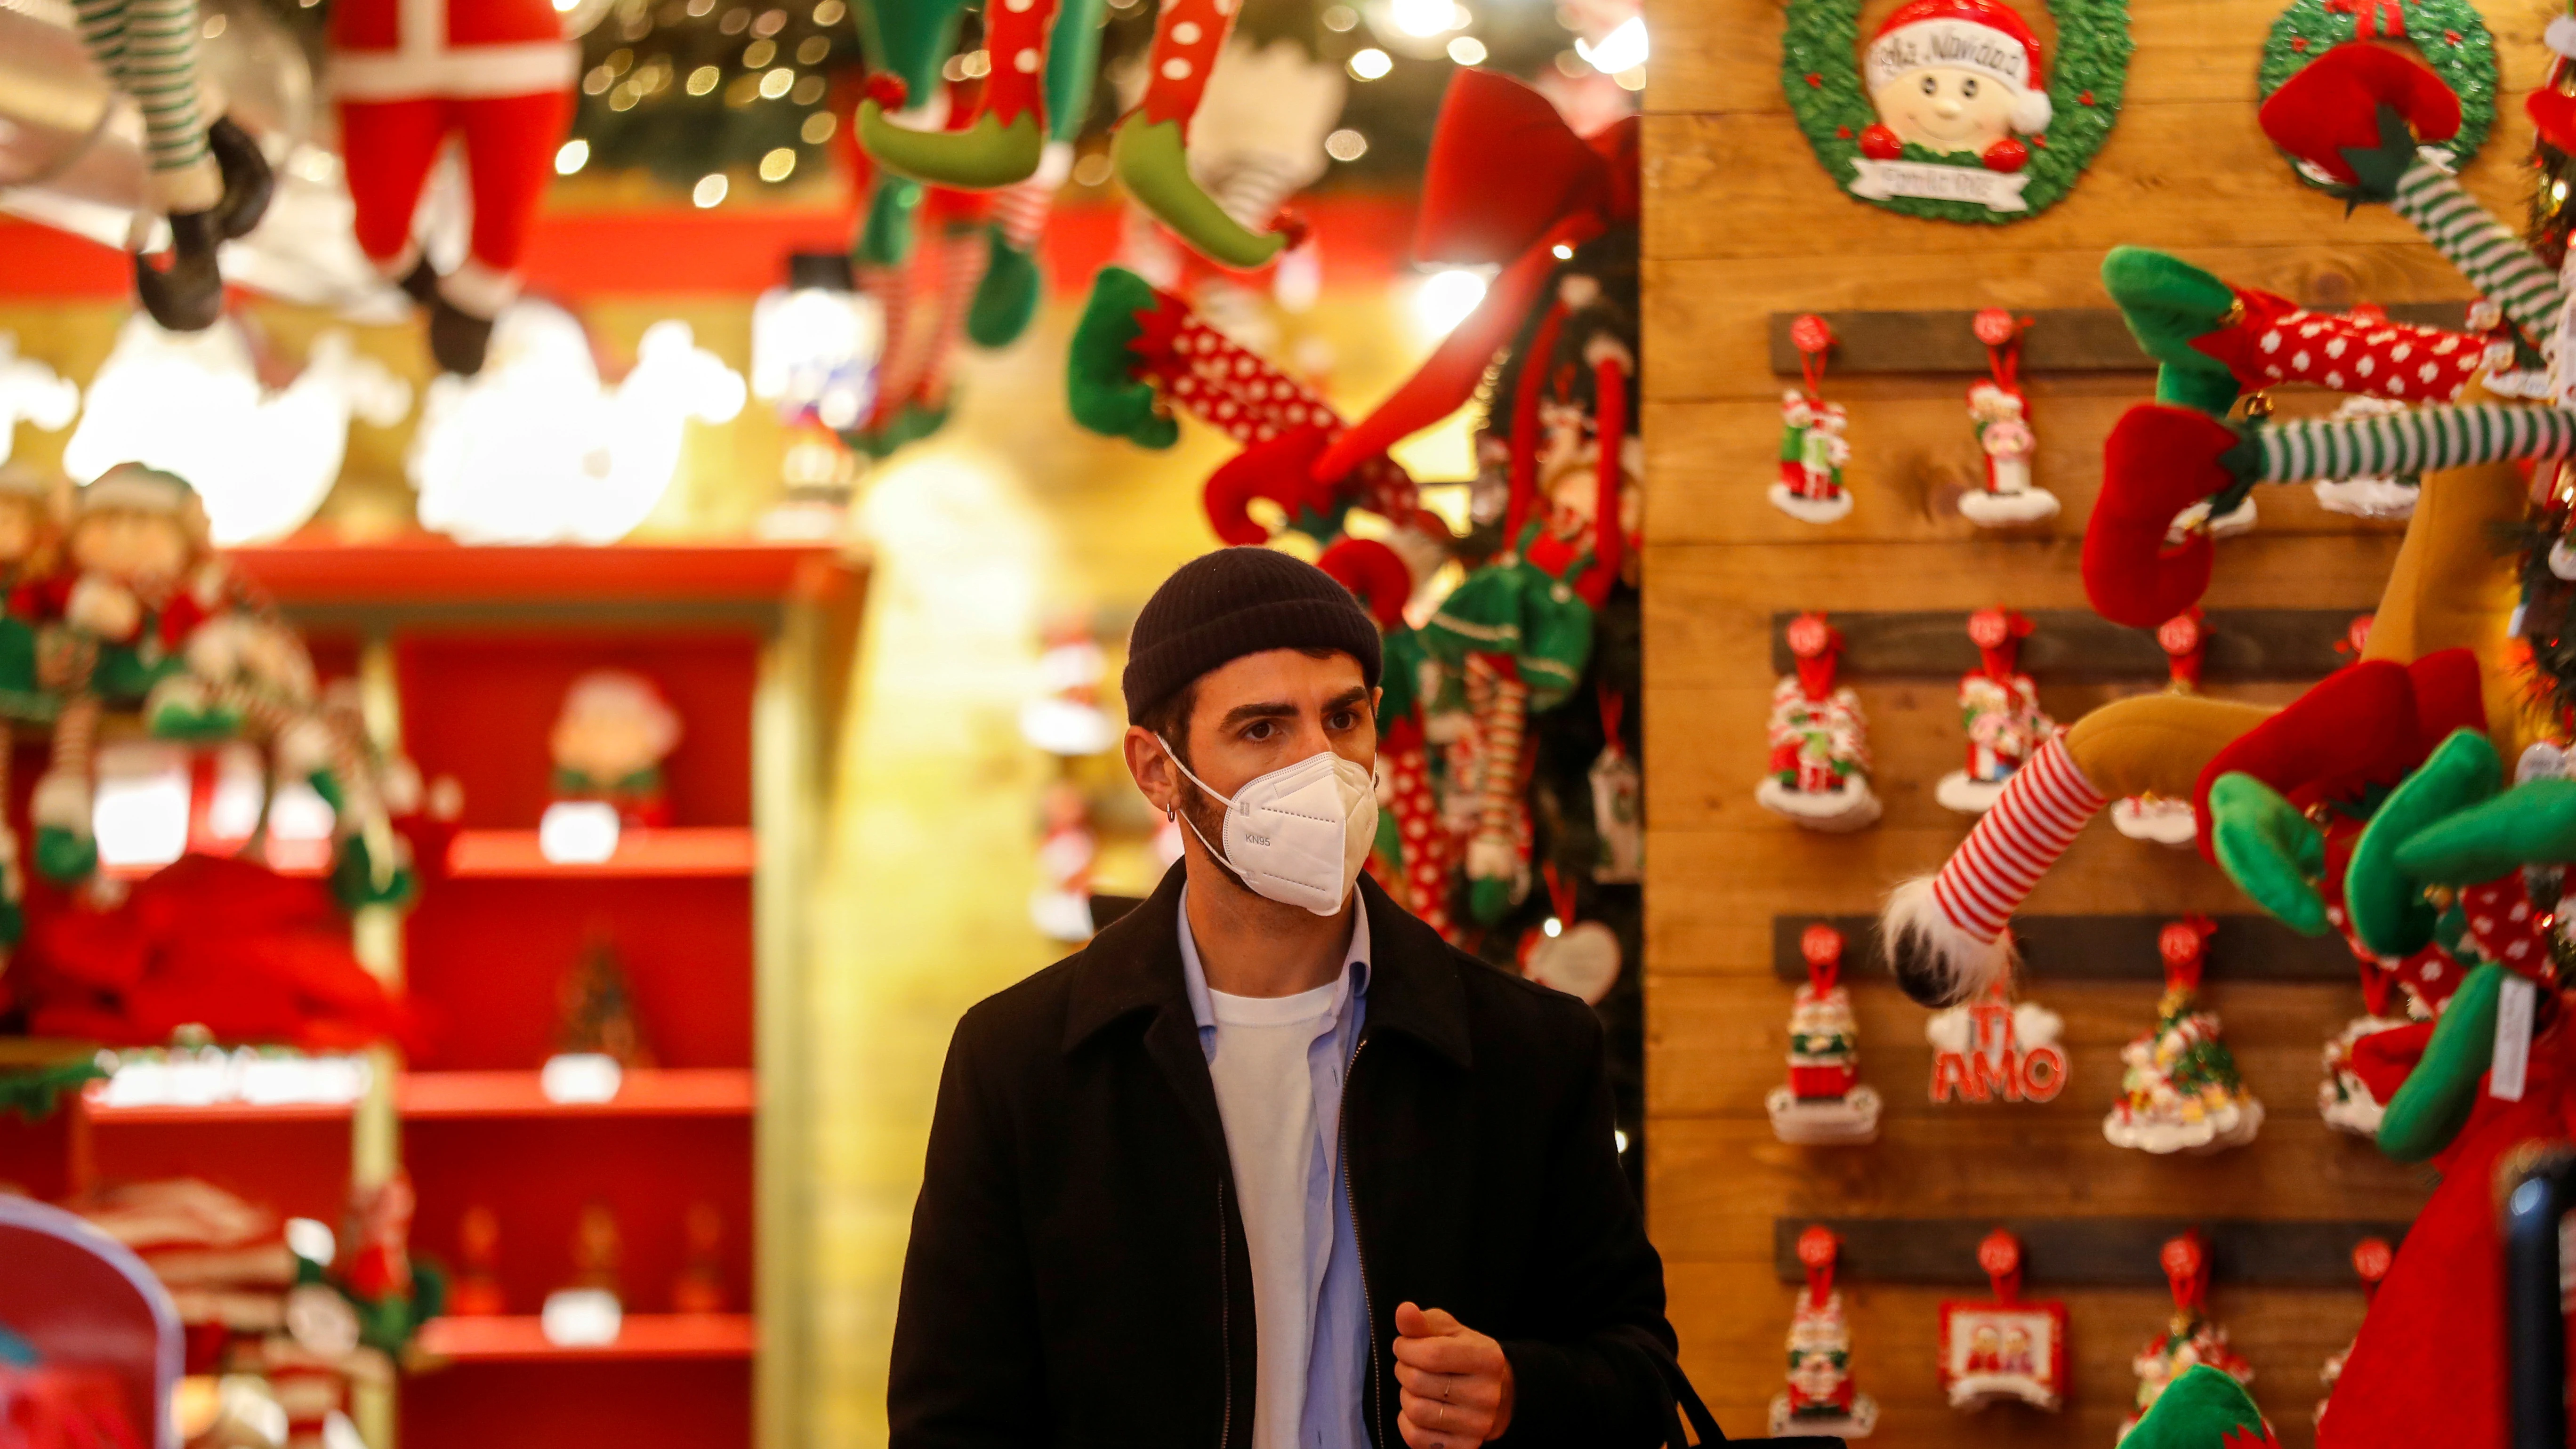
(1269, 1165)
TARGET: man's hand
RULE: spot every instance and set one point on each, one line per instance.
(1457, 1386)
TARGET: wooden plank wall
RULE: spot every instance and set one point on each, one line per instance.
(1742, 222)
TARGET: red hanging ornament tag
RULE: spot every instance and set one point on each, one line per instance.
(2372, 1258)
(1822, 946)
(1813, 336)
(1817, 646)
(2185, 640)
(2184, 945)
(2186, 1264)
(2000, 1256)
(1816, 1249)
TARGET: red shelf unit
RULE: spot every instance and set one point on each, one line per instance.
(436, 1096)
(517, 1338)
(751, 644)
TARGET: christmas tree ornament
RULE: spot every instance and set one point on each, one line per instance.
(610, 742)
(1147, 147)
(207, 176)
(2371, 1260)
(2390, 499)
(2164, 819)
(1819, 740)
(2179, 1087)
(1950, 113)
(2191, 1339)
(2001, 412)
(1825, 1102)
(1995, 1049)
(2003, 1349)
(1618, 800)
(2203, 1409)
(2449, 35)
(2345, 1096)
(1821, 1398)
(498, 76)
(1999, 709)
(1813, 450)
(596, 1009)
(1579, 958)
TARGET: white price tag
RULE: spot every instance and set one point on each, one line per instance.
(2512, 1039)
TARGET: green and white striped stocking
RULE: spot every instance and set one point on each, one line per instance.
(149, 49)
(2413, 442)
(2493, 259)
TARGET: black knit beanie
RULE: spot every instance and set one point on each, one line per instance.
(1221, 606)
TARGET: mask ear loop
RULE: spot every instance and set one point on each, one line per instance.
(1173, 812)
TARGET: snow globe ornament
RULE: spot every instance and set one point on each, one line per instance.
(2179, 1090)
(2003, 1349)
(1996, 1049)
(2164, 819)
(1813, 449)
(2190, 1339)
(1818, 773)
(1820, 1398)
(1999, 708)
(2392, 498)
(1825, 1103)
(2000, 412)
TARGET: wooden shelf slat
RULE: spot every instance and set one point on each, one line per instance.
(519, 1338)
(2102, 1252)
(461, 1096)
(2069, 646)
(2061, 339)
(2055, 948)
(700, 851)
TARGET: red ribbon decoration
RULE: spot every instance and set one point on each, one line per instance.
(1508, 181)
(2184, 945)
(1817, 1247)
(2001, 332)
(1822, 946)
(2389, 14)
(2186, 1265)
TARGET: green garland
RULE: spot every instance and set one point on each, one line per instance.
(1820, 71)
(2448, 34)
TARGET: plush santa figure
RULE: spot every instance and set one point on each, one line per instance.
(1956, 77)
(407, 74)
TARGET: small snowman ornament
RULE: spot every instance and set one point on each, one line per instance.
(1818, 770)
(2000, 411)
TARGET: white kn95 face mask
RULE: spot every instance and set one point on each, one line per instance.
(1299, 834)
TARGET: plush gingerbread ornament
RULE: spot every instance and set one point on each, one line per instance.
(498, 76)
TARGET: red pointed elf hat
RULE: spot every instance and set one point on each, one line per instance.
(1508, 181)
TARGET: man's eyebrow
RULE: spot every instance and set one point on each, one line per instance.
(1267, 709)
(1356, 695)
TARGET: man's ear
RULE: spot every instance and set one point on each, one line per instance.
(1152, 768)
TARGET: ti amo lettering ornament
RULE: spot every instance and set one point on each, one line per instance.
(1820, 1398)
(1818, 772)
(1952, 113)
(2003, 1349)
(1813, 450)
(1995, 1049)
(1999, 708)
(1825, 1103)
(2001, 413)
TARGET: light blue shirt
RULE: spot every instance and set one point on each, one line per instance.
(1337, 1356)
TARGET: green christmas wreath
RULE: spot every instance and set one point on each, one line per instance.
(1820, 72)
(2448, 34)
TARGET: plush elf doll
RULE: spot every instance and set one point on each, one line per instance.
(208, 178)
(609, 743)
(496, 74)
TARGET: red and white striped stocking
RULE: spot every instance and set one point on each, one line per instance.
(2043, 806)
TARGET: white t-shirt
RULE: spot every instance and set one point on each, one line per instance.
(1264, 1098)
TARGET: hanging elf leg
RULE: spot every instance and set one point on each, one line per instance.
(66, 849)
(208, 180)
(1148, 151)
(1013, 286)
(1001, 143)
(2213, 340)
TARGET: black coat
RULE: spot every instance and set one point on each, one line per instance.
(1078, 1273)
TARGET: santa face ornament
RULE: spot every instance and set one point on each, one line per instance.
(1959, 79)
